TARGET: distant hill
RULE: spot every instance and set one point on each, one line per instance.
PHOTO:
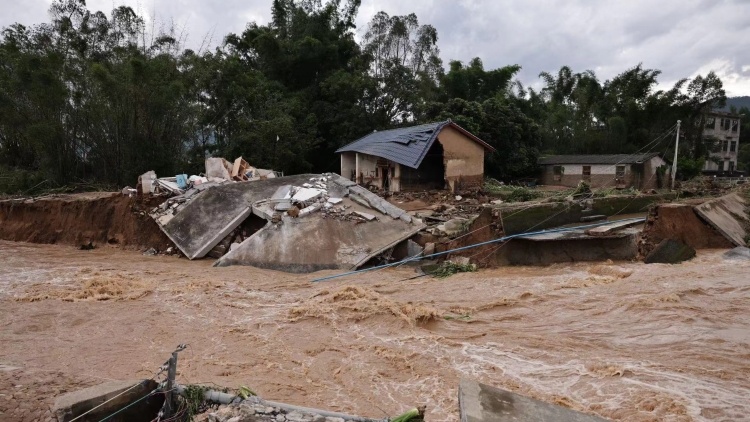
(738, 102)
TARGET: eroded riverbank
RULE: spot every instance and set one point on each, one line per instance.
(626, 341)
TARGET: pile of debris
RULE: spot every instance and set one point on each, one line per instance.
(298, 223)
(301, 201)
(258, 412)
(239, 171)
(218, 171)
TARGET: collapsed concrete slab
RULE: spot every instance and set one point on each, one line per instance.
(211, 215)
(305, 232)
(315, 243)
(728, 215)
(482, 403)
(344, 236)
(609, 229)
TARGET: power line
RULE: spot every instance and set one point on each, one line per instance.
(501, 239)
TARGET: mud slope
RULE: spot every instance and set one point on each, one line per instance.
(79, 218)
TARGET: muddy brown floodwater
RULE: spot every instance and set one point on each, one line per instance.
(626, 341)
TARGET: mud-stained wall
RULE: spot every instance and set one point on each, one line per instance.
(366, 170)
(101, 218)
(463, 158)
(369, 170)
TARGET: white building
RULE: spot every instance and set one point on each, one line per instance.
(722, 133)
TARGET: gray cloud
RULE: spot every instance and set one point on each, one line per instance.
(682, 38)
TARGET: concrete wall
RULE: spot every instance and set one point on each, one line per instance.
(604, 175)
(724, 137)
(530, 252)
(463, 159)
(650, 178)
(519, 218)
(349, 165)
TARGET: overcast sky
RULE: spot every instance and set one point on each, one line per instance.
(682, 38)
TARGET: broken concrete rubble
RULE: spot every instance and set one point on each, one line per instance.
(146, 182)
(322, 233)
(217, 167)
(325, 237)
(738, 253)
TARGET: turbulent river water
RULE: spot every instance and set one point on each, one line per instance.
(626, 341)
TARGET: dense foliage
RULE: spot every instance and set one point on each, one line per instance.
(97, 98)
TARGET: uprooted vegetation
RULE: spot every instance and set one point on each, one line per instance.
(511, 193)
(449, 268)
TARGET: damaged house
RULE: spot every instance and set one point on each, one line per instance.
(439, 155)
(619, 171)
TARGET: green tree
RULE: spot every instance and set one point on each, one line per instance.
(404, 65)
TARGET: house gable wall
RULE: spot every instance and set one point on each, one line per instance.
(463, 159)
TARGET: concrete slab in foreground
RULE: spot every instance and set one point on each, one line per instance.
(101, 401)
(728, 215)
(482, 403)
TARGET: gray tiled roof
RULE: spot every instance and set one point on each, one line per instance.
(406, 145)
(597, 159)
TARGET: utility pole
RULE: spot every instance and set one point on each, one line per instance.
(171, 374)
(676, 146)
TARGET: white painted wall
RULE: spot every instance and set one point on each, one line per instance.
(595, 168)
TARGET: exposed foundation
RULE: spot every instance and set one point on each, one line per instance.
(77, 219)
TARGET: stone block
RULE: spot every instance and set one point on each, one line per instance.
(482, 403)
(670, 251)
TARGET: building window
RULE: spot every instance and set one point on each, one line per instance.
(725, 123)
(732, 146)
(620, 172)
(587, 173)
(725, 145)
(731, 166)
(735, 124)
(557, 172)
(376, 172)
(710, 122)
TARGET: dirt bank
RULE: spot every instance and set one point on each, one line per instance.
(76, 219)
(679, 221)
(626, 341)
